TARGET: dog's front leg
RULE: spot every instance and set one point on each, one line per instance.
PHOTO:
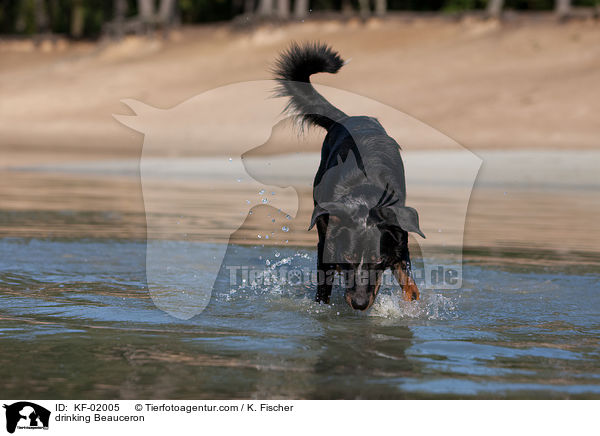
(325, 277)
(410, 291)
(325, 272)
(402, 272)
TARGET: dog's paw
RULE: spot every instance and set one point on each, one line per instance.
(410, 291)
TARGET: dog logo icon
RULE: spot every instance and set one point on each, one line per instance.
(26, 415)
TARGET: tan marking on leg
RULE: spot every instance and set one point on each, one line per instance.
(410, 291)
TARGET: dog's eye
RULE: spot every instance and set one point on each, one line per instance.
(334, 219)
(349, 258)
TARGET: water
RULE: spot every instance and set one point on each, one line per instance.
(76, 321)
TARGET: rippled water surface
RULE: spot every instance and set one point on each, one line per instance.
(77, 321)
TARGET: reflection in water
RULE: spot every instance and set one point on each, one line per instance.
(364, 350)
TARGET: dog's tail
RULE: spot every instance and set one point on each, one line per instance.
(292, 71)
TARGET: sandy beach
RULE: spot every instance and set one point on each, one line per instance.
(528, 201)
(525, 84)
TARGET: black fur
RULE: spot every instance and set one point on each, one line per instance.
(359, 190)
(292, 71)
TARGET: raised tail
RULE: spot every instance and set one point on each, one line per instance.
(293, 70)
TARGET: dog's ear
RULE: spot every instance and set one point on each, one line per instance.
(408, 219)
(317, 212)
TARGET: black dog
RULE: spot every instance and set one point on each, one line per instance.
(359, 190)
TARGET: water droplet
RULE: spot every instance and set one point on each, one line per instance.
(230, 160)
(264, 200)
(261, 192)
(259, 237)
(267, 262)
(277, 254)
(250, 213)
(288, 217)
(285, 229)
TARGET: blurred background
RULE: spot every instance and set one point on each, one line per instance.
(93, 18)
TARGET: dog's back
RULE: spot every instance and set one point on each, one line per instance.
(377, 154)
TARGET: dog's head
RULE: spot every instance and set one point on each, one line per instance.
(364, 237)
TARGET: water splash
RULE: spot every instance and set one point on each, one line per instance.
(430, 307)
(275, 281)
